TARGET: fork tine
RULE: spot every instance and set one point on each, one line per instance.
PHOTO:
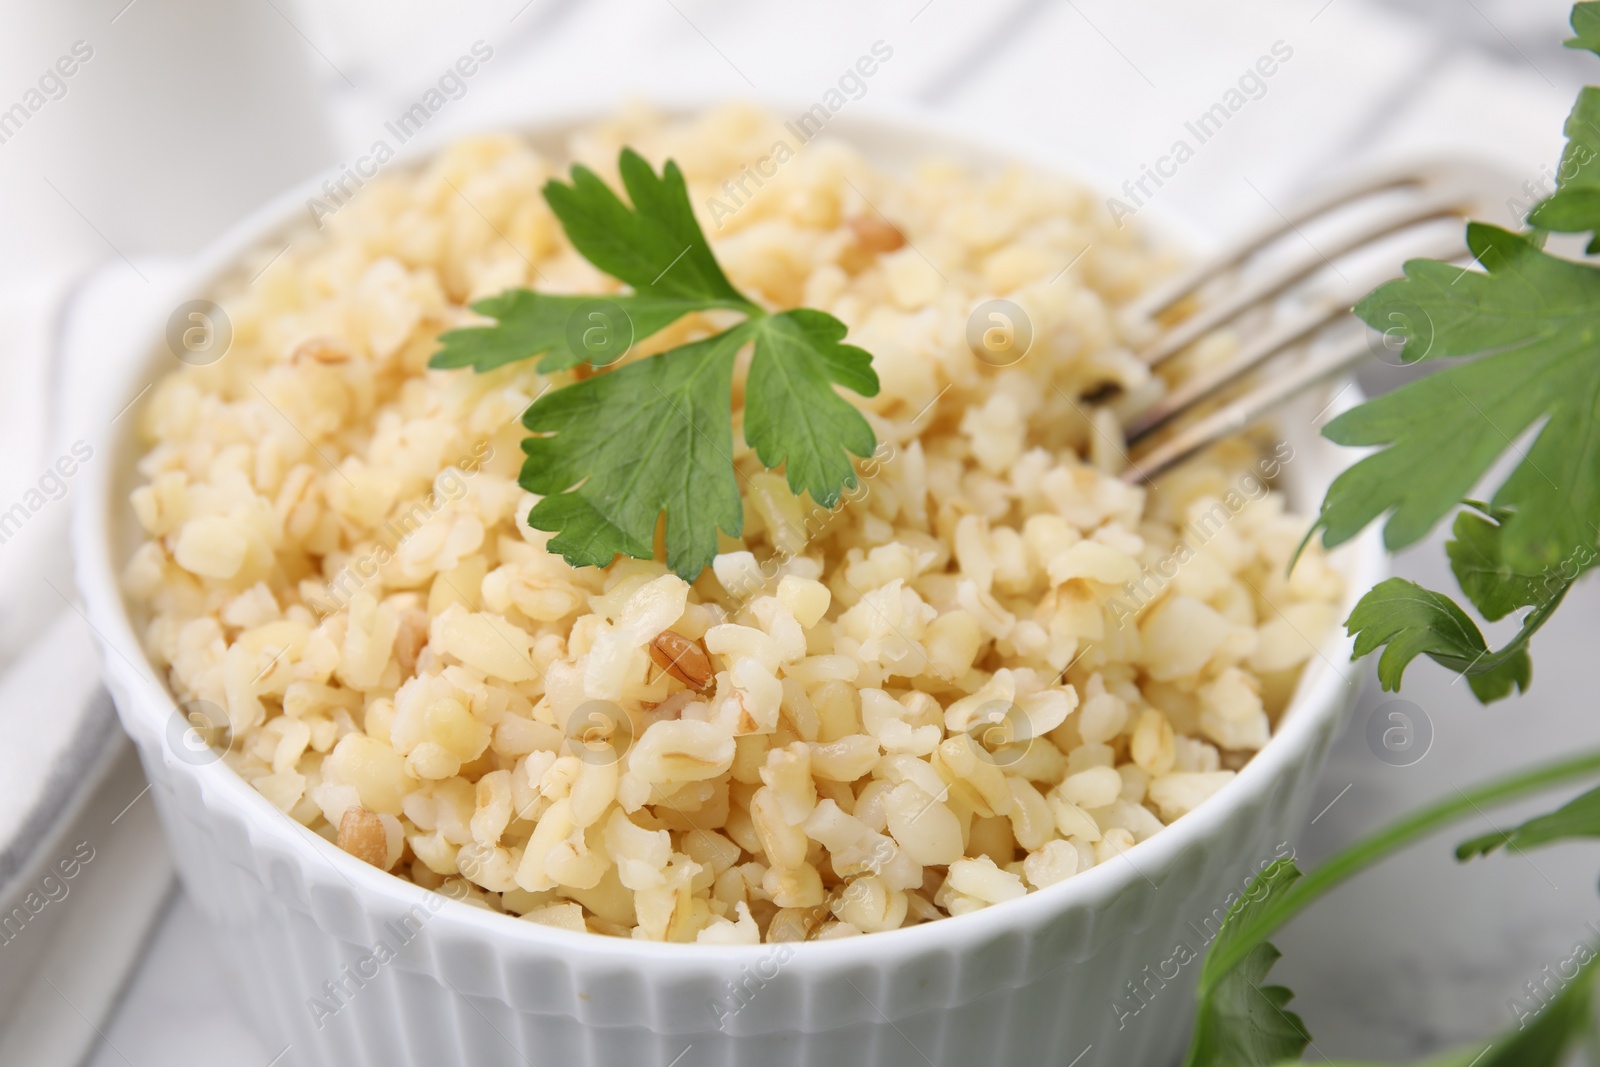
(1241, 412)
(1300, 312)
(1250, 407)
(1164, 296)
(1202, 322)
(1322, 311)
(1204, 383)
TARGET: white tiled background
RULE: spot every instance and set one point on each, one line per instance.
(192, 112)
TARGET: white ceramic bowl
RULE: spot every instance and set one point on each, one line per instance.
(1048, 979)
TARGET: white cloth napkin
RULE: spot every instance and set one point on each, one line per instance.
(83, 866)
(57, 722)
(85, 869)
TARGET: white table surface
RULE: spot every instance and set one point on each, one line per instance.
(191, 113)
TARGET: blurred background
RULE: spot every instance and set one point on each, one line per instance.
(179, 117)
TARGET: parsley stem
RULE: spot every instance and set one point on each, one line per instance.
(1378, 846)
(1531, 624)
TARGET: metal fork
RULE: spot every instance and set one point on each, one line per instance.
(1292, 313)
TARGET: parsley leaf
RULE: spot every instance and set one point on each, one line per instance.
(1550, 1037)
(1545, 1039)
(1586, 24)
(656, 246)
(793, 417)
(1240, 1022)
(1528, 325)
(1579, 817)
(1234, 1030)
(1575, 206)
(612, 452)
(1407, 621)
(650, 437)
(565, 329)
(1481, 570)
(1533, 322)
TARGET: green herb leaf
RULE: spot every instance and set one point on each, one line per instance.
(1551, 1036)
(1495, 679)
(618, 449)
(1586, 24)
(1557, 1030)
(655, 246)
(793, 417)
(1407, 621)
(1456, 1058)
(1480, 567)
(1575, 205)
(1579, 817)
(1240, 1022)
(1255, 917)
(565, 329)
(1546, 1040)
(1540, 317)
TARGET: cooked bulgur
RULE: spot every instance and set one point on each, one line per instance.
(992, 667)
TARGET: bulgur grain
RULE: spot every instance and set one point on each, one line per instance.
(919, 703)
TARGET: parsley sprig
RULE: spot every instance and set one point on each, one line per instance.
(1526, 332)
(612, 452)
(1526, 329)
(1241, 1023)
